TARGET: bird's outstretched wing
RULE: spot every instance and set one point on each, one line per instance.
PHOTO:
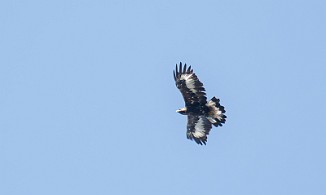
(189, 85)
(198, 128)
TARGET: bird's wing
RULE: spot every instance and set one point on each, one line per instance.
(189, 85)
(198, 128)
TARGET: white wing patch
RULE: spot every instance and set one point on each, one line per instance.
(199, 129)
(189, 82)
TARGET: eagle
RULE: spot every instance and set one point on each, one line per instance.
(202, 114)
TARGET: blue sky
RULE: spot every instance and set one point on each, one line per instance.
(88, 99)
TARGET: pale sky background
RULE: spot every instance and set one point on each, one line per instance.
(88, 100)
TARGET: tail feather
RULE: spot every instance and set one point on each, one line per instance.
(216, 112)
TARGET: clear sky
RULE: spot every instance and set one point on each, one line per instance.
(88, 100)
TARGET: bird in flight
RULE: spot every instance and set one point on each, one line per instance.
(202, 114)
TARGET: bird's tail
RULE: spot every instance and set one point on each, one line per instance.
(216, 112)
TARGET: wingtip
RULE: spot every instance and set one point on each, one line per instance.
(189, 69)
(184, 68)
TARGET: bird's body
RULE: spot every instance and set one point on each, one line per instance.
(201, 114)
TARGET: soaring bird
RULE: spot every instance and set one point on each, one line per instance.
(201, 114)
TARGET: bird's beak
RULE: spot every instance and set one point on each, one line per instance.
(178, 110)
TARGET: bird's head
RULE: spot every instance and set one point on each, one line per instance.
(182, 110)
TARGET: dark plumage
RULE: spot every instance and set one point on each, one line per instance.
(201, 114)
